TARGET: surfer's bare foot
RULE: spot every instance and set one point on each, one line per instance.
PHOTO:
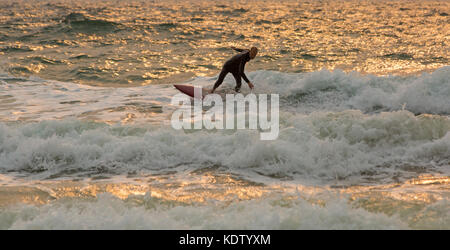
(211, 91)
(250, 85)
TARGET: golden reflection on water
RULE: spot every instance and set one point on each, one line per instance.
(181, 39)
(205, 187)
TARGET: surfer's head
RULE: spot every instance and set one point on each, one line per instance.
(253, 52)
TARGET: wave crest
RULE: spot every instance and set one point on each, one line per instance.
(337, 90)
(80, 22)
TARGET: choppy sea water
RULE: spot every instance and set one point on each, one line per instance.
(85, 108)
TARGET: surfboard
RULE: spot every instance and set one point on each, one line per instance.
(190, 90)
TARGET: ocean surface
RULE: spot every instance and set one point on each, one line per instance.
(85, 109)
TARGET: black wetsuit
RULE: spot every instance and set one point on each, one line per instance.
(235, 66)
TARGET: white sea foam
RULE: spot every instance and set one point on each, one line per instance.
(337, 90)
(323, 145)
(328, 128)
(111, 213)
(146, 212)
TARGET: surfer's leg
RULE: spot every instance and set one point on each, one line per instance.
(238, 79)
(219, 81)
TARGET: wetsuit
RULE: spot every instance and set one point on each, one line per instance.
(235, 66)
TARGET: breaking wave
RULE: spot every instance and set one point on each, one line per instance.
(320, 145)
(337, 90)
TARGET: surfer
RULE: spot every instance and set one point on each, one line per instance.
(235, 66)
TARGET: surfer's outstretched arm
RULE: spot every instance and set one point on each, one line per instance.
(241, 71)
(242, 74)
(239, 50)
(245, 77)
